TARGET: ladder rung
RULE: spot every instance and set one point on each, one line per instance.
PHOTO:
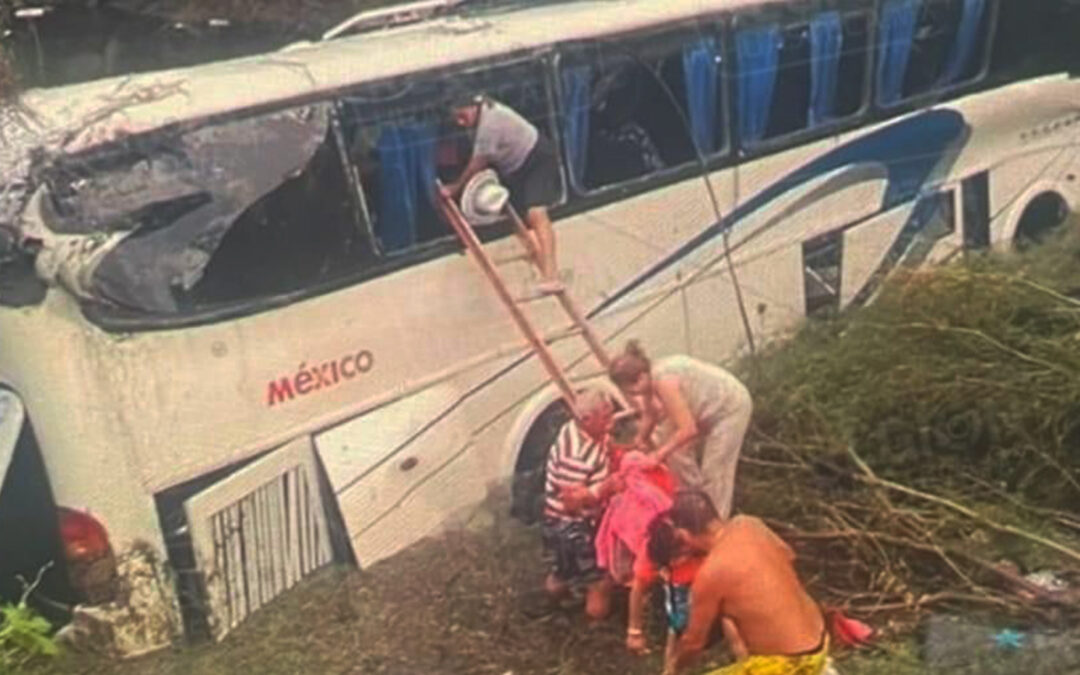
(516, 257)
(533, 297)
(569, 331)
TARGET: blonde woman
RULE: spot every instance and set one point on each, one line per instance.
(702, 412)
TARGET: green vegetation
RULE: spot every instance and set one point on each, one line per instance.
(25, 637)
(924, 451)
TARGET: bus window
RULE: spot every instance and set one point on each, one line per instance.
(975, 191)
(301, 233)
(620, 121)
(933, 217)
(822, 258)
(400, 139)
(852, 92)
(1032, 39)
(798, 76)
(929, 45)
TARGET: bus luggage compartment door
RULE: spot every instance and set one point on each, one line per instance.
(258, 532)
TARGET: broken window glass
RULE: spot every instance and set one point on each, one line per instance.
(822, 260)
(232, 210)
(302, 233)
(627, 112)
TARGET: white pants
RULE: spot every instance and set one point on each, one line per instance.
(710, 463)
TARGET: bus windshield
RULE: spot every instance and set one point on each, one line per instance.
(149, 216)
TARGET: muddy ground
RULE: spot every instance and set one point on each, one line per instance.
(467, 602)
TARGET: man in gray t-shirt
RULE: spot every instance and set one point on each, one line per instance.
(526, 163)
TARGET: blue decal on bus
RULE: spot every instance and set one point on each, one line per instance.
(910, 150)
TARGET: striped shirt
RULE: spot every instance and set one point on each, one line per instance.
(574, 459)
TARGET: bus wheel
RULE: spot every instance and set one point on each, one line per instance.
(1043, 215)
(527, 492)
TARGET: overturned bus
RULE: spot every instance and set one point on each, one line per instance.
(238, 344)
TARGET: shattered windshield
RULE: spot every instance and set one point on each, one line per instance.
(171, 201)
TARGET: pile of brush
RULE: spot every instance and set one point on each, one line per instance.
(925, 450)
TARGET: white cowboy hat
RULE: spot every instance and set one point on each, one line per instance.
(483, 199)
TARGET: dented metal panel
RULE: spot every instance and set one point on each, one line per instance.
(258, 532)
(135, 228)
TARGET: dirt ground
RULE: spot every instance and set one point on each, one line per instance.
(466, 602)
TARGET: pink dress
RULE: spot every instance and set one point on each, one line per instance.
(621, 536)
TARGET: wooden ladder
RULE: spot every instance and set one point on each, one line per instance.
(490, 268)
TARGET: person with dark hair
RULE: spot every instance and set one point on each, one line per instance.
(748, 581)
(705, 411)
(527, 164)
(677, 568)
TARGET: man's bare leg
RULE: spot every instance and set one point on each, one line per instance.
(669, 653)
(555, 589)
(541, 226)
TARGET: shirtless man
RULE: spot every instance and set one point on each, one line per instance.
(748, 580)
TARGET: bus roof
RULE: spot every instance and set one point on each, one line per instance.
(85, 115)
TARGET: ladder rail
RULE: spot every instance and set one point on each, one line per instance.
(472, 243)
(568, 304)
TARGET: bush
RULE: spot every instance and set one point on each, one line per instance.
(925, 450)
(24, 635)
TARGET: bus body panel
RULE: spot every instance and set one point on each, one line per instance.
(52, 363)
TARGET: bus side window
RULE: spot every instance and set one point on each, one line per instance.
(933, 218)
(619, 119)
(975, 191)
(301, 233)
(399, 137)
(822, 259)
(799, 76)
(928, 45)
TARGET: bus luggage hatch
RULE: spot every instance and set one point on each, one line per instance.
(258, 532)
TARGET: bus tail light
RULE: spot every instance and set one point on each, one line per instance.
(89, 556)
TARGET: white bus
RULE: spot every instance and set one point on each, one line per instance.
(237, 343)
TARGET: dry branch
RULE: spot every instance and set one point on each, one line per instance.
(869, 477)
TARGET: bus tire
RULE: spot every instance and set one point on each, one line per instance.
(1043, 215)
(527, 489)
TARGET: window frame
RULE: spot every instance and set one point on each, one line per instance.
(547, 57)
(712, 161)
(976, 215)
(122, 320)
(540, 60)
(806, 135)
(934, 94)
(831, 239)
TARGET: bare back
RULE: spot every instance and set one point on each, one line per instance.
(750, 578)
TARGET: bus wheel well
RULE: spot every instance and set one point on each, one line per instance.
(527, 491)
(1045, 213)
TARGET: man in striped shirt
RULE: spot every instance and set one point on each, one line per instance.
(577, 485)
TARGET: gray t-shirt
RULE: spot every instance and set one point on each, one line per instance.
(504, 138)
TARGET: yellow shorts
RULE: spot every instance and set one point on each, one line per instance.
(804, 664)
